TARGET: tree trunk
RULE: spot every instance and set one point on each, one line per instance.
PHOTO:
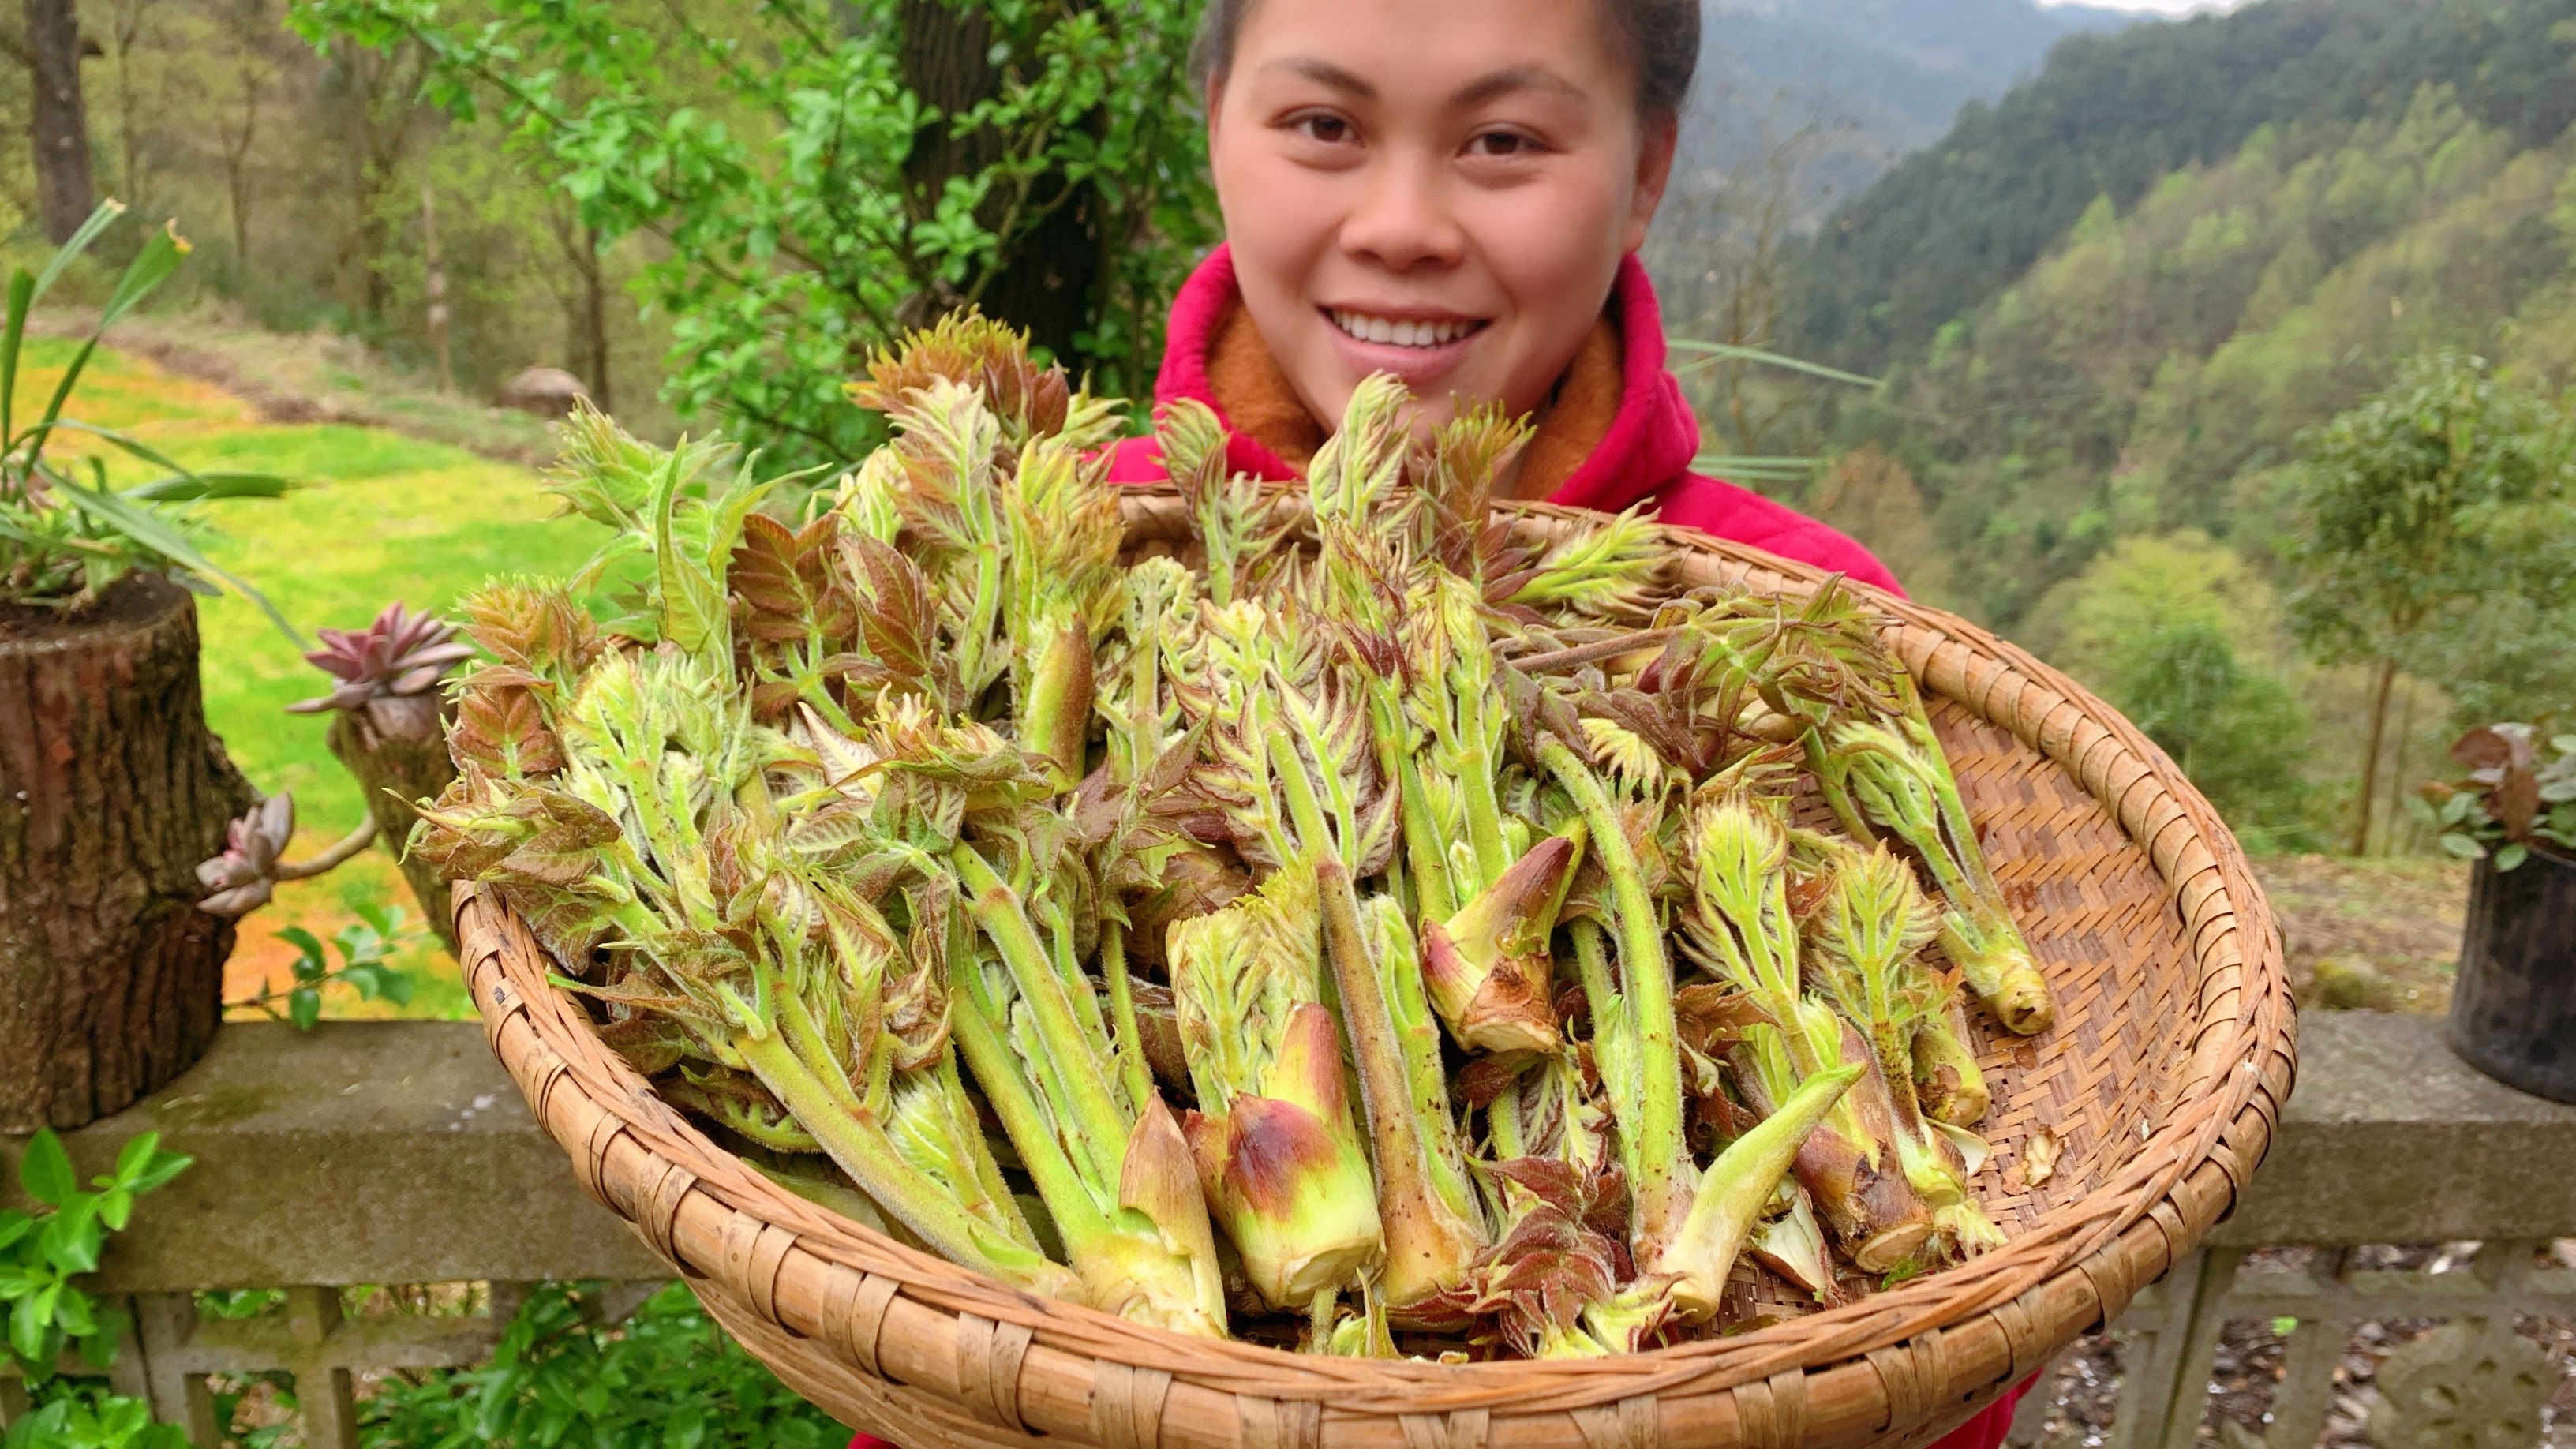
(1046, 276)
(396, 766)
(59, 120)
(111, 792)
(594, 319)
(2370, 754)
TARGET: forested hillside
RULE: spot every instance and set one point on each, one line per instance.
(2151, 371)
(1884, 77)
(2109, 380)
(2112, 115)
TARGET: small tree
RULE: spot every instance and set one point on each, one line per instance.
(819, 175)
(2410, 507)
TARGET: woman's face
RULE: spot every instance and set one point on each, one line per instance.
(1440, 189)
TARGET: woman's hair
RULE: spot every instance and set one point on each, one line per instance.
(1659, 38)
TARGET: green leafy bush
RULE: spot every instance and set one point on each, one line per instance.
(367, 949)
(820, 174)
(668, 1376)
(2237, 732)
(41, 1252)
(84, 1416)
(2177, 633)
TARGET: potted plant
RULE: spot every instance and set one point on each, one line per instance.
(2513, 1011)
(111, 787)
(389, 720)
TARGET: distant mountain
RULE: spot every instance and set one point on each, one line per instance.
(1884, 77)
(1954, 223)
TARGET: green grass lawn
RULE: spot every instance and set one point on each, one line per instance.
(379, 518)
(375, 516)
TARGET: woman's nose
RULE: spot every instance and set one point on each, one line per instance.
(1402, 219)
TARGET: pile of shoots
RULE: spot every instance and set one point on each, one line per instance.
(1365, 928)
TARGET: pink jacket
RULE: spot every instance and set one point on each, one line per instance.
(1645, 456)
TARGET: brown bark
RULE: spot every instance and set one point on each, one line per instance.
(396, 766)
(594, 319)
(58, 122)
(111, 791)
(372, 95)
(2370, 755)
(1044, 277)
(250, 24)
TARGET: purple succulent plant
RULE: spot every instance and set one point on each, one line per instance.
(245, 875)
(390, 669)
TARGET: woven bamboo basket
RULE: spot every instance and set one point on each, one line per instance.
(2162, 1083)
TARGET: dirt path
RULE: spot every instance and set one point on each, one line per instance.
(2382, 934)
(314, 377)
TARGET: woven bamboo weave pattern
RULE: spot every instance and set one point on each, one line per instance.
(2161, 1083)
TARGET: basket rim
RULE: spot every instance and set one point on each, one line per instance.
(2116, 1237)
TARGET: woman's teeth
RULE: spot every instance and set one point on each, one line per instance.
(1401, 333)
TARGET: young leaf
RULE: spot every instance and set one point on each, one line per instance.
(310, 962)
(150, 531)
(162, 1167)
(71, 1238)
(46, 1171)
(133, 1158)
(31, 1323)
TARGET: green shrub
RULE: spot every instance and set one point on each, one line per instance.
(2238, 733)
(668, 1376)
(2180, 634)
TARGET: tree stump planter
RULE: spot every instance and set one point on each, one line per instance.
(398, 760)
(111, 791)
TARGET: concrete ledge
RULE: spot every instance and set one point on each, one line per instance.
(2389, 1138)
(398, 1152)
(360, 1152)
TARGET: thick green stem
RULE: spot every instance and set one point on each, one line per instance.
(1483, 809)
(1614, 1039)
(1417, 1034)
(1434, 898)
(1305, 811)
(1055, 707)
(1947, 1079)
(979, 1152)
(1736, 1189)
(1426, 1245)
(1143, 726)
(862, 1150)
(1503, 1120)
(1069, 1195)
(997, 908)
(978, 634)
(805, 1038)
(1133, 1072)
(1663, 1182)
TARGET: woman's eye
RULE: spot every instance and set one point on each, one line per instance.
(1502, 144)
(1331, 130)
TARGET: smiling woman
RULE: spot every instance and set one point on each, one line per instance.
(1452, 192)
(1442, 191)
